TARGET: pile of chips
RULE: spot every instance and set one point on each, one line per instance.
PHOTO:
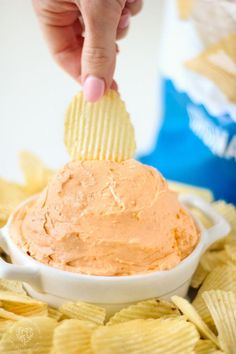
(36, 177)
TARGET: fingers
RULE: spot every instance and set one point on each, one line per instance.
(134, 6)
(123, 25)
(101, 19)
(63, 32)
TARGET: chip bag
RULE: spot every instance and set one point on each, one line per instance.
(197, 139)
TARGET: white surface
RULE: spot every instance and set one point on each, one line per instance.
(34, 92)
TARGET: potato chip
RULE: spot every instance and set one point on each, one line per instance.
(83, 311)
(99, 131)
(36, 174)
(4, 214)
(228, 211)
(205, 346)
(222, 306)
(4, 326)
(72, 337)
(222, 278)
(210, 260)
(189, 311)
(163, 335)
(22, 305)
(29, 336)
(11, 195)
(185, 8)
(181, 188)
(231, 252)
(198, 277)
(14, 286)
(216, 63)
(54, 313)
(6, 315)
(144, 310)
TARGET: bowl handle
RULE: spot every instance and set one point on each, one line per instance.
(220, 227)
(13, 271)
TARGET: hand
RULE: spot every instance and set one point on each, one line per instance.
(82, 37)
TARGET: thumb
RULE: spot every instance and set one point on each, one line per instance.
(101, 19)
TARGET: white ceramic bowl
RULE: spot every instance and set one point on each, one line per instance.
(56, 286)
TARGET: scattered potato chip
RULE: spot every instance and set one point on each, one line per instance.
(14, 286)
(181, 188)
(198, 277)
(189, 311)
(7, 315)
(36, 174)
(4, 214)
(54, 313)
(144, 310)
(99, 131)
(83, 311)
(205, 346)
(231, 252)
(4, 326)
(216, 63)
(228, 211)
(222, 278)
(72, 337)
(210, 260)
(11, 195)
(29, 336)
(185, 8)
(222, 306)
(22, 305)
(163, 335)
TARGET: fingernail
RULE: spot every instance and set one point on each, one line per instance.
(124, 21)
(131, 1)
(93, 88)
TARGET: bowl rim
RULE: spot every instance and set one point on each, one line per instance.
(39, 266)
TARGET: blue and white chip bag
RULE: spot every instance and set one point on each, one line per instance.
(196, 143)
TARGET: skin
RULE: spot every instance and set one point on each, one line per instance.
(82, 35)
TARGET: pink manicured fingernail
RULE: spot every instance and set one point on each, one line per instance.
(131, 1)
(93, 88)
(124, 21)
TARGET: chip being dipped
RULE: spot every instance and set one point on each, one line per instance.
(99, 131)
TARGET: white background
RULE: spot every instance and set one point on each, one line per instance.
(34, 92)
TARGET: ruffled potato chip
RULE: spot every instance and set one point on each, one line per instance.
(71, 337)
(210, 260)
(13, 286)
(99, 131)
(144, 310)
(11, 195)
(84, 311)
(189, 311)
(29, 336)
(164, 335)
(4, 326)
(22, 305)
(222, 307)
(54, 313)
(205, 346)
(198, 277)
(36, 174)
(6, 315)
(178, 187)
(221, 278)
(185, 8)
